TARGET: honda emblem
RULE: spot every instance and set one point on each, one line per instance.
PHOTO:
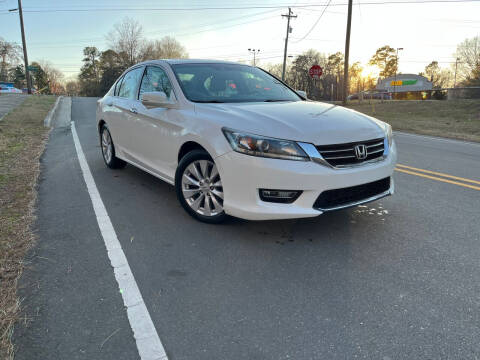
(361, 152)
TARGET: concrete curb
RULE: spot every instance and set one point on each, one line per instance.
(48, 119)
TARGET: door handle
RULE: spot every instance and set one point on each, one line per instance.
(133, 110)
(109, 103)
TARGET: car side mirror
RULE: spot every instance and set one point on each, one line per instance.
(302, 93)
(156, 99)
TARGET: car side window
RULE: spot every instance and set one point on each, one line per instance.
(117, 86)
(155, 79)
(128, 88)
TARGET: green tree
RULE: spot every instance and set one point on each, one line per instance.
(17, 75)
(335, 63)
(89, 76)
(40, 79)
(111, 68)
(334, 74)
(299, 78)
(386, 59)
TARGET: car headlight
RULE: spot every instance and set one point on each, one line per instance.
(389, 134)
(263, 146)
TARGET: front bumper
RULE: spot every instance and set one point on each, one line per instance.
(243, 175)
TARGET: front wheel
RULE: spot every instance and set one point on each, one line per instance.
(199, 187)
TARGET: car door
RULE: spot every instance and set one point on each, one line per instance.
(157, 129)
(126, 104)
(110, 113)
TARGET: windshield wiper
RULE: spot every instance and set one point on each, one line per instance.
(209, 101)
(274, 100)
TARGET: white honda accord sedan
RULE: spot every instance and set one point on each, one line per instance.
(235, 140)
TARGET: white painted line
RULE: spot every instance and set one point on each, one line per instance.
(148, 342)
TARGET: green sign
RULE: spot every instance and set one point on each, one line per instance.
(32, 68)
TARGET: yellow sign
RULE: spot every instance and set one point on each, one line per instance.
(396, 83)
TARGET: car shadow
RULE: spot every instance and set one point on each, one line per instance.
(338, 227)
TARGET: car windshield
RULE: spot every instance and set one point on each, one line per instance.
(226, 83)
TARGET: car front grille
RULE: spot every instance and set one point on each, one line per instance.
(339, 155)
(338, 198)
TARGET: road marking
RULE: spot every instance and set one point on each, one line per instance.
(148, 342)
(438, 179)
(440, 174)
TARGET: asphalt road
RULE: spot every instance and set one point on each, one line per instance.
(397, 279)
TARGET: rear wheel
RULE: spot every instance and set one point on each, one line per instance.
(108, 150)
(199, 187)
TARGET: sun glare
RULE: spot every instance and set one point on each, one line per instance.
(370, 71)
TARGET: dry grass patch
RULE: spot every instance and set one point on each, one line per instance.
(22, 141)
(457, 119)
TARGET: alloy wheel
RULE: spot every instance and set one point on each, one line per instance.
(107, 147)
(202, 188)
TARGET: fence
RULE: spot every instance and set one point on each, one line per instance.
(438, 94)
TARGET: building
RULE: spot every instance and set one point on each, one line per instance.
(404, 83)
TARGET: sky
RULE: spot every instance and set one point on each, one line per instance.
(58, 30)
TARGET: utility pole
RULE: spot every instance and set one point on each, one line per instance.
(254, 53)
(347, 52)
(289, 16)
(455, 78)
(396, 69)
(25, 56)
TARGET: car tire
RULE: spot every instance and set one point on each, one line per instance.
(199, 188)
(108, 150)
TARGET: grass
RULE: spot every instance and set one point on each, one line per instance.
(22, 141)
(457, 119)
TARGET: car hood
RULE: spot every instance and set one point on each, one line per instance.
(307, 121)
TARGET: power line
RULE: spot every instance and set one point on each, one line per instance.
(246, 7)
(315, 24)
(218, 22)
(89, 40)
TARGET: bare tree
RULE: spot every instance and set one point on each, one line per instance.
(355, 82)
(468, 53)
(276, 69)
(440, 78)
(72, 88)
(10, 54)
(54, 76)
(165, 48)
(127, 39)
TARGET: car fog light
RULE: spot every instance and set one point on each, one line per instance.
(279, 196)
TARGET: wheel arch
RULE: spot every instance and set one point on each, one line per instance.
(101, 122)
(189, 146)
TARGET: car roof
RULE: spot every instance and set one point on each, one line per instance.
(190, 61)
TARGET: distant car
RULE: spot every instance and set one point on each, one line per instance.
(9, 90)
(371, 95)
(234, 140)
